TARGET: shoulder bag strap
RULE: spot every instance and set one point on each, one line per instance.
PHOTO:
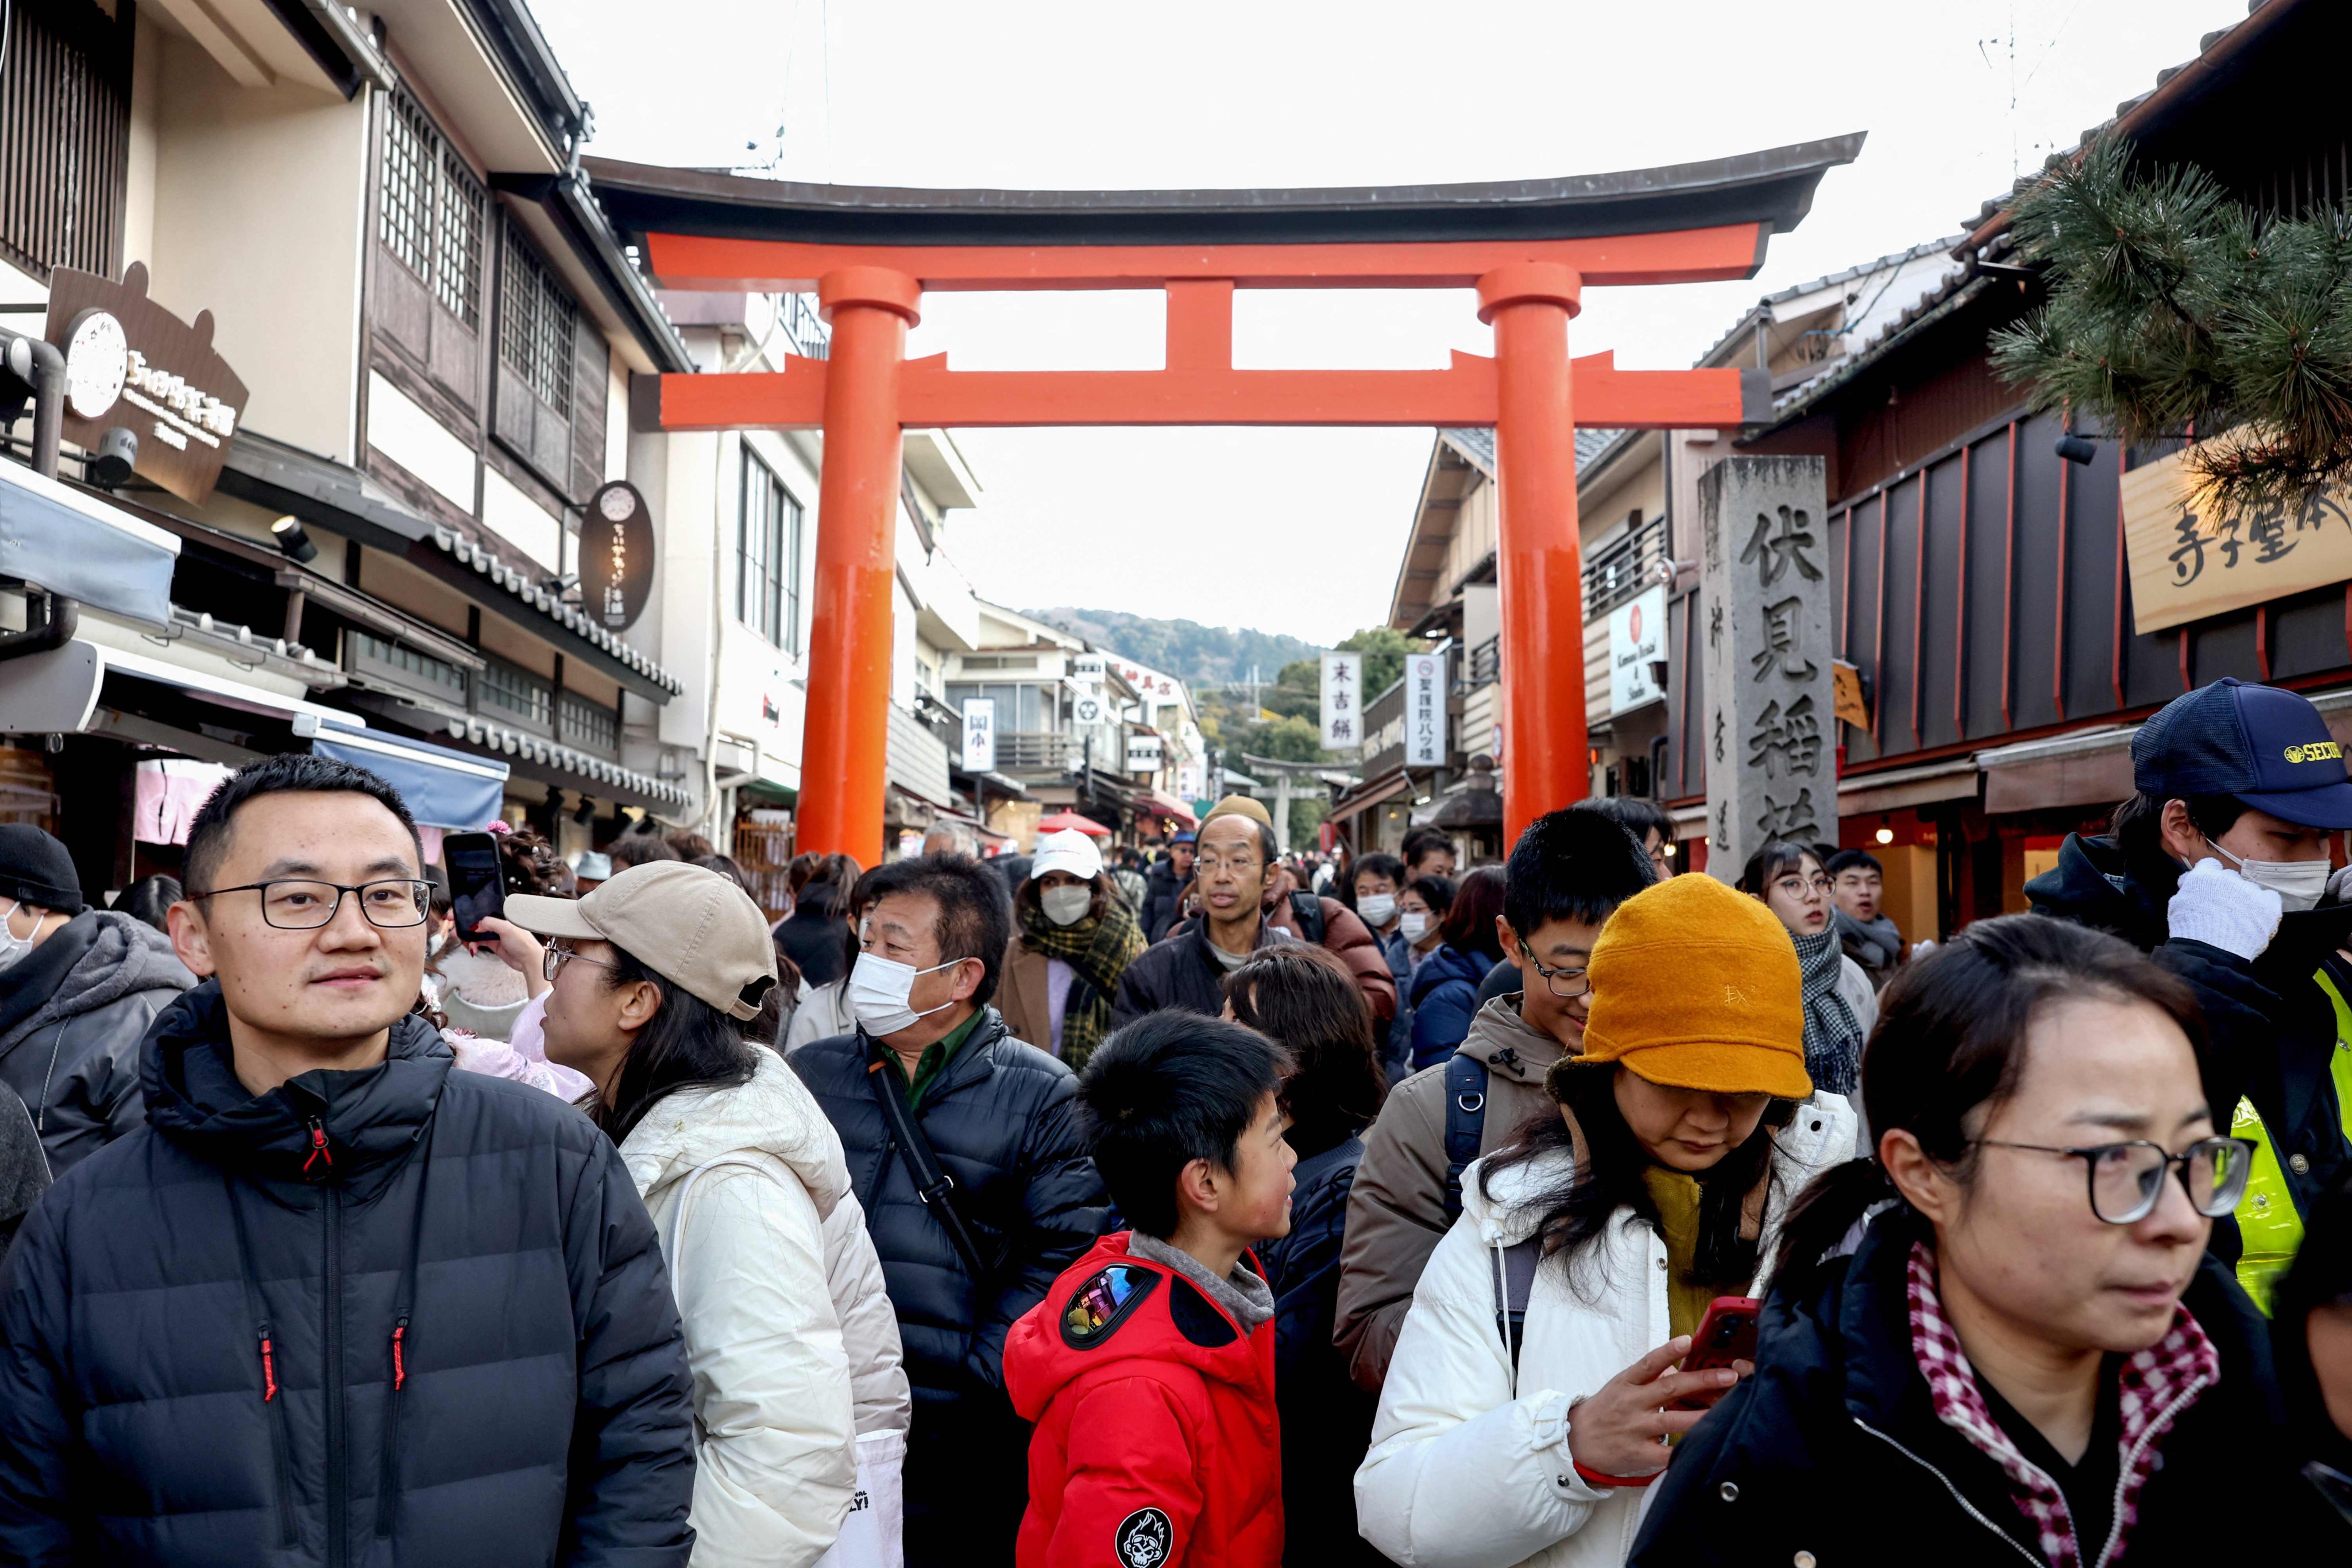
(933, 1183)
(1307, 911)
(1465, 1122)
(1514, 1282)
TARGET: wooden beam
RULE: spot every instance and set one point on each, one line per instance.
(932, 396)
(766, 266)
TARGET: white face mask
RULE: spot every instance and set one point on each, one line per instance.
(12, 946)
(1066, 906)
(2298, 883)
(1378, 908)
(1414, 923)
(878, 988)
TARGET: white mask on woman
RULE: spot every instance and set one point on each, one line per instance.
(878, 989)
(1067, 906)
(1414, 923)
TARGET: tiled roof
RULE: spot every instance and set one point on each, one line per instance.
(1476, 442)
(547, 753)
(529, 592)
(1894, 261)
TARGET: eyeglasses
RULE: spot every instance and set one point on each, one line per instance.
(557, 957)
(300, 904)
(1240, 865)
(1563, 982)
(2127, 1179)
(1797, 886)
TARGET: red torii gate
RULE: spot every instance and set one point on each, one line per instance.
(1529, 247)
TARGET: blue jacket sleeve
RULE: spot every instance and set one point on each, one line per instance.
(1440, 1018)
(632, 1463)
(36, 1414)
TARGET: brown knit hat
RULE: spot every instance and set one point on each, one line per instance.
(1239, 805)
(1696, 985)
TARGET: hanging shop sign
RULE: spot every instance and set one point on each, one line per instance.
(1637, 647)
(979, 734)
(2190, 559)
(133, 364)
(1088, 669)
(1086, 711)
(1343, 693)
(1143, 753)
(1424, 711)
(617, 555)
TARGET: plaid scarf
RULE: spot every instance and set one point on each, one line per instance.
(1832, 1034)
(2157, 1385)
(1097, 951)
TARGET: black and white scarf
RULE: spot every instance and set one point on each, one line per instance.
(1832, 1034)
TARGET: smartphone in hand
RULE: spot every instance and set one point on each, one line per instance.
(1726, 1334)
(477, 884)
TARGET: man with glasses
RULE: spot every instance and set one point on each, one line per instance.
(77, 988)
(1568, 871)
(1247, 899)
(333, 1299)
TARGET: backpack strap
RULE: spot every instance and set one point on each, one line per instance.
(1306, 910)
(1514, 1282)
(1465, 1122)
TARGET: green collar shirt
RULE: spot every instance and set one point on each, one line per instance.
(935, 1057)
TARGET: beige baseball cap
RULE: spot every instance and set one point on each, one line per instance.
(694, 928)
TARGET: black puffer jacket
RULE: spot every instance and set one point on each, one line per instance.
(1833, 1453)
(1327, 1420)
(72, 1014)
(543, 1409)
(1163, 891)
(2272, 1026)
(1001, 1117)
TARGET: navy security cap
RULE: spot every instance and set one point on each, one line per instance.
(2269, 748)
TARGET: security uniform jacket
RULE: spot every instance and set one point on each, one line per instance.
(1000, 1117)
(394, 1316)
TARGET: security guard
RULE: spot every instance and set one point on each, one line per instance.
(2220, 867)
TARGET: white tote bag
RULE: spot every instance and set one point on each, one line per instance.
(873, 1536)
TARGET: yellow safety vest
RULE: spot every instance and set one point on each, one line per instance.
(2269, 1225)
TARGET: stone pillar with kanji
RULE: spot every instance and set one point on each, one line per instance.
(1765, 604)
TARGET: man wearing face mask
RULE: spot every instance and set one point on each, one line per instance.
(2218, 866)
(1074, 938)
(77, 988)
(964, 1150)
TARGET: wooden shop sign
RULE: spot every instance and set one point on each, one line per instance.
(2190, 559)
(132, 364)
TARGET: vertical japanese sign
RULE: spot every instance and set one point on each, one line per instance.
(1424, 711)
(1770, 740)
(979, 734)
(1343, 701)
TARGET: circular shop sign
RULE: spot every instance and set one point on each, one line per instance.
(97, 363)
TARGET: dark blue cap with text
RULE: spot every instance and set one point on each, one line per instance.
(2269, 748)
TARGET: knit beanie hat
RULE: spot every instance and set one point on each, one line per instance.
(1239, 805)
(35, 870)
(1696, 985)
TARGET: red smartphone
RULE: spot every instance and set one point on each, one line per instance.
(1727, 1334)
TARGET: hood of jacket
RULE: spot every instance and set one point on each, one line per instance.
(1450, 963)
(2093, 885)
(95, 958)
(371, 1116)
(1508, 1043)
(774, 1114)
(1160, 1323)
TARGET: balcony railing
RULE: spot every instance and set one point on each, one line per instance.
(1625, 568)
(1030, 751)
(812, 339)
(1484, 666)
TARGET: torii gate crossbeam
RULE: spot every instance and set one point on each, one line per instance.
(1527, 247)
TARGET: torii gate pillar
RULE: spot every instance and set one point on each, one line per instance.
(870, 309)
(1536, 559)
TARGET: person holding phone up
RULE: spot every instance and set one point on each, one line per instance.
(1534, 1389)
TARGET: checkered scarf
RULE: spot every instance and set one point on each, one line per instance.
(2157, 1385)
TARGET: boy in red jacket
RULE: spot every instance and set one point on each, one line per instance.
(1148, 1368)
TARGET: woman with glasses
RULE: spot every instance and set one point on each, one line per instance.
(2002, 1338)
(1840, 1004)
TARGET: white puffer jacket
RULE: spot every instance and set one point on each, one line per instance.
(1462, 1474)
(739, 1181)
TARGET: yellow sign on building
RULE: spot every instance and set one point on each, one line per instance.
(2190, 559)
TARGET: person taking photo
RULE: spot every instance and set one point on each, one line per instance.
(2002, 1338)
(335, 1302)
(653, 977)
(1522, 1424)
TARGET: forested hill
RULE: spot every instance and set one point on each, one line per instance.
(1196, 654)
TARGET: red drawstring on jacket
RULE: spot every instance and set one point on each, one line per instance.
(319, 1149)
(399, 1368)
(268, 1370)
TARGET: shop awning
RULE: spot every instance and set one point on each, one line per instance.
(2089, 768)
(79, 547)
(443, 788)
(1161, 804)
(1364, 796)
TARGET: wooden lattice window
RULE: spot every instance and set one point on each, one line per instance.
(64, 137)
(431, 218)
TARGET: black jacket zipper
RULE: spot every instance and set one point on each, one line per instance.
(337, 1453)
(279, 1443)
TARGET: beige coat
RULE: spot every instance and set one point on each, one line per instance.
(1021, 995)
(1396, 1210)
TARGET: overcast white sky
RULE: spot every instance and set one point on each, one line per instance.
(1299, 530)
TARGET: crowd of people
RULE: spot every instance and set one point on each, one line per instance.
(1237, 1207)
